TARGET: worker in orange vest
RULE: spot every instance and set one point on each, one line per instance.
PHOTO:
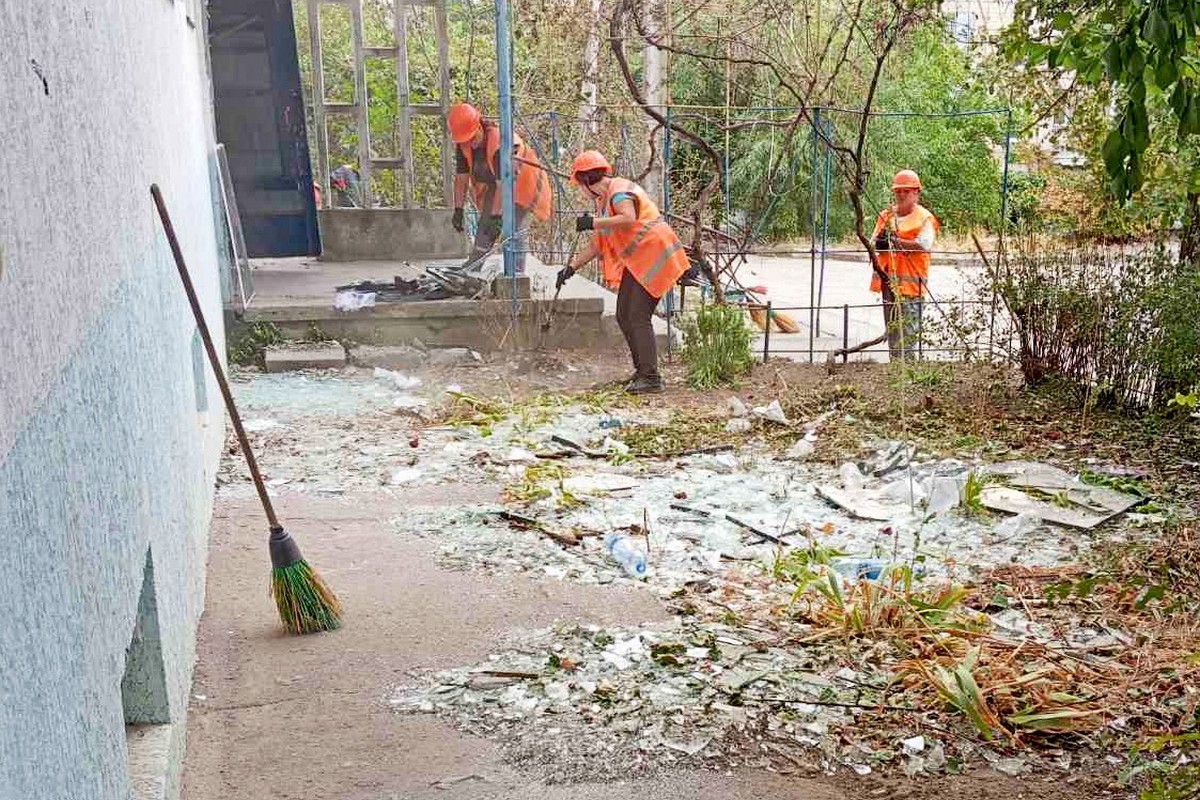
(478, 168)
(642, 258)
(904, 238)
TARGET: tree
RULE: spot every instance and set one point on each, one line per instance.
(1148, 52)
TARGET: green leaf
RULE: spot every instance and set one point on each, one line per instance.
(1061, 719)
(1113, 60)
(1063, 21)
(1166, 72)
(1157, 30)
(1114, 148)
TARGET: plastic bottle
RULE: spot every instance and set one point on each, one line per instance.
(622, 550)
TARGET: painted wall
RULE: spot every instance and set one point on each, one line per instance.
(109, 434)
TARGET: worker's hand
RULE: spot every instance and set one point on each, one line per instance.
(564, 275)
(585, 222)
(883, 243)
(457, 220)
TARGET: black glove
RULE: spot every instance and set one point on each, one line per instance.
(883, 243)
(564, 275)
(457, 220)
(585, 223)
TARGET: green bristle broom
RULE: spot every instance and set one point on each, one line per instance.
(306, 604)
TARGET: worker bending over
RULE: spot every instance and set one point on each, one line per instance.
(642, 258)
(478, 167)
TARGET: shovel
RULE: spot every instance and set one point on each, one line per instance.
(554, 303)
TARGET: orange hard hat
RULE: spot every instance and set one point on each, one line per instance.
(465, 122)
(589, 160)
(906, 179)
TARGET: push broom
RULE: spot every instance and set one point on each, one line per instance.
(306, 604)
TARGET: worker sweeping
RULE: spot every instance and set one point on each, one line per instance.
(478, 168)
(904, 238)
(641, 256)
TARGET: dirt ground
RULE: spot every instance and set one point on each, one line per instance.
(275, 716)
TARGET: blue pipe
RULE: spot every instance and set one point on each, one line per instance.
(504, 88)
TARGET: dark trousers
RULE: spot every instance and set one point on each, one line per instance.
(488, 231)
(635, 309)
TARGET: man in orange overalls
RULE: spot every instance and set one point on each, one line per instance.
(478, 168)
(905, 235)
(641, 256)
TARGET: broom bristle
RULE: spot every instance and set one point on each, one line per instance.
(306, 603)
(758, 316)
(784, 322)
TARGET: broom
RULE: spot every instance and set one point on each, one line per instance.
(306, 604)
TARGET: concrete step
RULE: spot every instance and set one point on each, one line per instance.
(285, 358)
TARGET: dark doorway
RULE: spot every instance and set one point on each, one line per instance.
(260, 120)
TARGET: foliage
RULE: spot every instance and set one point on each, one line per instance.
(929, 75)
(1145, 49)
(716, 346)
(1117, 324)
(246, 345)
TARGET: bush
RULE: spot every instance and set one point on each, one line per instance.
(716, 345)
(1117, 324)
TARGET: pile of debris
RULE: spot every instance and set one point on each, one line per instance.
(703, 693)
(440, 280)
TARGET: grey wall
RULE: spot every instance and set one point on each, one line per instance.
(108, 438)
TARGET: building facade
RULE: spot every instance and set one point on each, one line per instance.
(110, 422)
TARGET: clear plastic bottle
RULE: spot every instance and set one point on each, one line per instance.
(622, 550)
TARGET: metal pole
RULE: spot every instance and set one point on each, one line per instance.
(767, 335)
(812, 233)
(504, 90)
(845, 332)
(825, 218)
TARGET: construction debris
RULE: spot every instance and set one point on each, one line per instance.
(868, 617)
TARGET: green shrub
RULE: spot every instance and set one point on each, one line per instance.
(245, 345)
(716, 346)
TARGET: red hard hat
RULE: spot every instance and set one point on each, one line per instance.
(589, 160)
(465, 121)
(906, 179)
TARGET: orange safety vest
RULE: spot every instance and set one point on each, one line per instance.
(650, 249)
(907, 270)
(532, 185)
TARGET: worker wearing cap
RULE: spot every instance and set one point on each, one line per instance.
(478, 168)
(642, 258)
(904, 238)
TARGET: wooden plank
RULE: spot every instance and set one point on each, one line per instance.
(318, 97)
(426, 109)
(360, 99)
(380, 52)
(387, 163)
(341, 108)
(403, 98)
(442, 28)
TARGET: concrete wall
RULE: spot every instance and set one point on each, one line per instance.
(389, 234)
(108, 433)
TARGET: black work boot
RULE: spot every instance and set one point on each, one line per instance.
(645, 385)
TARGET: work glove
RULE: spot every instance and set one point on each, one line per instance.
(457, 220)
(585, 222)
(564, 275)
(883, 243)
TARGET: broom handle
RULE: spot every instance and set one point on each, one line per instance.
(272, 521)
